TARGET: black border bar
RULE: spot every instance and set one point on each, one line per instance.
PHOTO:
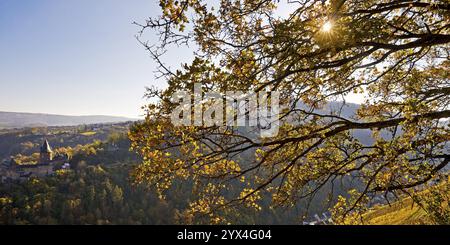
(141, 234)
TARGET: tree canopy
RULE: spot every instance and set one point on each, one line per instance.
(394, 53)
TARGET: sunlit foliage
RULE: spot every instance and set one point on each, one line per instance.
(395, 53)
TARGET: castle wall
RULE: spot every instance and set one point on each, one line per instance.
(45, 167)
(41, 171)
(45, 157)
(27, 171)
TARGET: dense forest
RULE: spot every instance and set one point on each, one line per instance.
(99, 189)
(87, 195)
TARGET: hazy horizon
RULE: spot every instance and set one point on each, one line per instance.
(70, 115)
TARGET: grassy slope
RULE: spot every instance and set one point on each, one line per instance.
(403, 212)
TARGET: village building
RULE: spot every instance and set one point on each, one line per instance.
(46, 165)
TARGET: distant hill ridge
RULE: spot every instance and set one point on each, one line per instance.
(22, 119)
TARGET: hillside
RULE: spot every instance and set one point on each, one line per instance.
(403, 212)
(433, 209)
(26, 141)
(20, 120)
(106, 146)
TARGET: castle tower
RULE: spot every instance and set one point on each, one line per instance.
(46, 154)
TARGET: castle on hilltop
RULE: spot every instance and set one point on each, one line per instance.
(46, 165)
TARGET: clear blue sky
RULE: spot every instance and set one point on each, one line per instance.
(78, 57)
(75, 57)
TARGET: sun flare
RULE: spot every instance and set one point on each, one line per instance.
(327, 26)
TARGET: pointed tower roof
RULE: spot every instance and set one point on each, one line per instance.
(45, 148)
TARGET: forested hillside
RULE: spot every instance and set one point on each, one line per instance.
(99, 188)
(86, 195)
